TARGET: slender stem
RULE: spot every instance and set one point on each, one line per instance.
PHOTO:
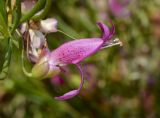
(6, 63)
(44, 12)
(7, 1)
(16, 15)
(4, 26)
(34, 10)
(22, 58)
(23, 68)
(66, 34)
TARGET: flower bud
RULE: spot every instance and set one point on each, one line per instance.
(49, 25)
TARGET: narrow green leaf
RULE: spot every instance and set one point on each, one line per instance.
(39, 5)
(3, 26)
(6, 64)
(44, 12)
(3, 10)
(16, 15)
(16, 39)
(16, 43)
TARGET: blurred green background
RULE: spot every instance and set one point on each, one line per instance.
(121, 82)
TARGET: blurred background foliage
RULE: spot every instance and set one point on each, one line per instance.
(121, 82)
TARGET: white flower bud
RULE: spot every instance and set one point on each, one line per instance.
(49, 25)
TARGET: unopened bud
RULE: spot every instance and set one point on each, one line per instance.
(49, 25)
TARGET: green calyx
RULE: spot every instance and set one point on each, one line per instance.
(40, 70)
(44, 70)
(53, 71)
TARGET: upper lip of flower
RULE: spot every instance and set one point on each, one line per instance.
(75, 51)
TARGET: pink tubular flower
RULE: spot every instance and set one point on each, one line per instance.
(74, 52)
